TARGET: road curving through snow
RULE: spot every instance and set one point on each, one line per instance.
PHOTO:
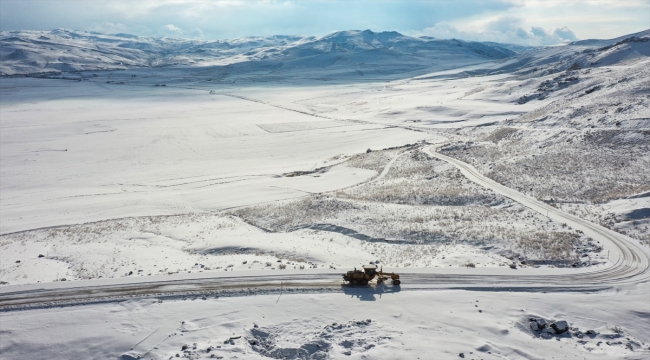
(629, 264)
(629, 261)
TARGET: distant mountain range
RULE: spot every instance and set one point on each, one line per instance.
(29, 52)
(585, 53)
(581, 54)
(344, 54)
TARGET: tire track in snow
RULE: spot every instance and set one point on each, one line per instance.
(389, 165)
(363, 122)
(630, 264)
(631, 261)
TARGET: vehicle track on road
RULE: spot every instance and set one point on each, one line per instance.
(630, 263)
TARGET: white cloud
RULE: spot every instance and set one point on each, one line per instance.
(196, 32)
(500, 20)
(602, 19)
(599, 3)
(504, 29)
(109, 27)
(173, 29)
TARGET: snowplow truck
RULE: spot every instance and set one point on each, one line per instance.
(363, 277)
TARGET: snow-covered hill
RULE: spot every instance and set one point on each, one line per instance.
(29, 52)
(172, 197)
(581, 54)
(542, 61)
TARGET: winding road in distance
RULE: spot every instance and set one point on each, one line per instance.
(629, 264)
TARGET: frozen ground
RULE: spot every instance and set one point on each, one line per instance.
(206, 243)
(110, 151)
(142, 190)
(349, 324)
(628, 216)
(591, 146)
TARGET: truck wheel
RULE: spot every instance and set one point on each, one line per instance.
(396, 282)
(354, 282)
(363, 282)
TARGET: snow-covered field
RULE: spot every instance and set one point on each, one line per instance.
(350, 324)
(79, 152)
(518, 187)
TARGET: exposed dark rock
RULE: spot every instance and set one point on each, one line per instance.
(560, 326)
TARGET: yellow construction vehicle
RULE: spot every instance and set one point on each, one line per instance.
(363, 277)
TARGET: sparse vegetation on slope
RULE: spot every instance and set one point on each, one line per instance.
(427, 201)
(591, 166)
(585, 148)
(417, 179)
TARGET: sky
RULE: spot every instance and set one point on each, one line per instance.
(524, 22)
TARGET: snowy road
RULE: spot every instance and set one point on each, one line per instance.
(388, 166)
(629, 263)
(629, 260)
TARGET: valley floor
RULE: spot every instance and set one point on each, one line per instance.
(113, 179)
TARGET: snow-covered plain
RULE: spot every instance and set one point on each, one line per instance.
(260, 160)
(350, 323)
